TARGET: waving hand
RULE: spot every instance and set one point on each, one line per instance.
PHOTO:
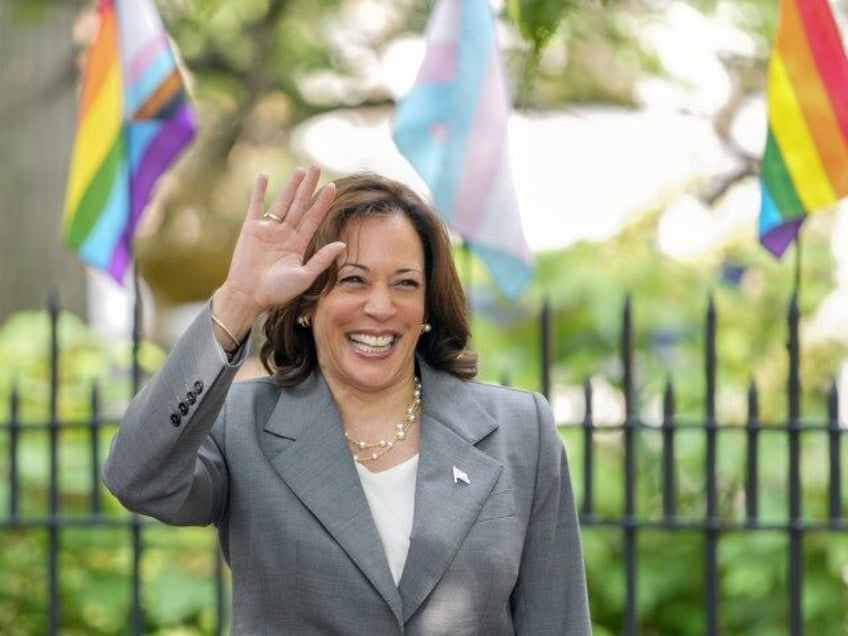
(267, 267)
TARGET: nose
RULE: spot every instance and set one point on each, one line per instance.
(380, 304)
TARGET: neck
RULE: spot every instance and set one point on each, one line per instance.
(369, 413)
(403, 432)
(381, 428)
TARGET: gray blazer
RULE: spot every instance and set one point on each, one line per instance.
(270, 468)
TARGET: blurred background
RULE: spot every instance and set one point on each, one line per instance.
(634, 142)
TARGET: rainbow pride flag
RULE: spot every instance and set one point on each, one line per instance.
(452, 128)
(805, 163)
(133, 121)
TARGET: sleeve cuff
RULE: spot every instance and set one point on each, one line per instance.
(236, 357)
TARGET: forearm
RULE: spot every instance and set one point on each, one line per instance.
(154, 465)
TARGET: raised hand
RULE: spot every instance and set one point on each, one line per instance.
(267, 267)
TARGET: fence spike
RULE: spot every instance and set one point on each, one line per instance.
(588, 452)
(752, 431)
(14, 430)
(547, 336)
(834, 491)
(710, 359)
(94, 440)
(669, 488)
(53, 618)
(630, 551)
(795, 569)
(627, 355)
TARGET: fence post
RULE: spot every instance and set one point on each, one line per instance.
(547, 346)
(669, 487)
(14, 432)
(53, 618)
(630, 415)
(588, 453)
(834, 490)
(135, 523)
(711, 432)
(94, 449)
(752, 431)
(796, 572)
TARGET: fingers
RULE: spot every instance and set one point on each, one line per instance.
(297, 207)
(281, 203)
(312, 217)
(294, 198)
(254, 208)
(323, 258)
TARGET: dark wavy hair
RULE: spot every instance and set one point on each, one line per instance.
(288, 351)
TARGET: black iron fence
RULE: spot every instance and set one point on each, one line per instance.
(706, 518)
(646, 452)
(44, 505)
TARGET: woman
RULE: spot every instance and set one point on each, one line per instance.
(367, 486)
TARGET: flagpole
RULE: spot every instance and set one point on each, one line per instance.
(528, 76)
(797, 282)
(137, 326)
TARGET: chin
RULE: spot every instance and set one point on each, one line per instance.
(375, 373)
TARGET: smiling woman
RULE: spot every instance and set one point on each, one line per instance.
(368, 485)
(376, 217)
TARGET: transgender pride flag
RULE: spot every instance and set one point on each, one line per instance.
(452, 127)
(133, 121)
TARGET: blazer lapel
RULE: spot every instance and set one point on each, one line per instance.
(454, 481)
(306, 446)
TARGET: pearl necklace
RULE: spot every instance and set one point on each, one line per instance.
(383, 446)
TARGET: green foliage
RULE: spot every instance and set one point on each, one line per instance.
(85, 360)
(246, 59)
(537, 20)
(94, 561)
(27, 12)
(95, 592)
(752, 592)
(586, 286)
(238, 52)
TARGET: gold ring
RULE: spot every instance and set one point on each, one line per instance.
(271, 215)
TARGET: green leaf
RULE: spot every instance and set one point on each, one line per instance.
(537, 20)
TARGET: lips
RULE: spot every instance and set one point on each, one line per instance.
(372, 344)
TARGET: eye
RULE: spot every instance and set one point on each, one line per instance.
(351, 280)
(409, 283)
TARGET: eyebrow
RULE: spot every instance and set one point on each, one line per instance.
(402, 270)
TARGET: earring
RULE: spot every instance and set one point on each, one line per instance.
(304, 321)
(425, 328)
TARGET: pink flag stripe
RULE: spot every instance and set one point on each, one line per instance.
(145, 56)
(484, 151)
(439, 64)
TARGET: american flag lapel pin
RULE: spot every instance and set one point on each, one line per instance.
(460, 475)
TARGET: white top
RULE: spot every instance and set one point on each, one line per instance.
(391, 497)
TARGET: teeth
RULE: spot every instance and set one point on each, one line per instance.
(368, 340)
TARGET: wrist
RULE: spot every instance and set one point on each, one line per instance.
(233, 316)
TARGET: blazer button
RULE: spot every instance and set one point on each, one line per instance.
(191, 397)
(198, 387)
(183, 408)
(176, 419)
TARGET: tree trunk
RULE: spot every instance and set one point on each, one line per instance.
(38, 82)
